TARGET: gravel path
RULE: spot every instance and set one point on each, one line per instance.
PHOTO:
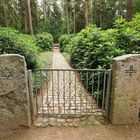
(65, 95)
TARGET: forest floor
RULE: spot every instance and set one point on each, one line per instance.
(99, 132)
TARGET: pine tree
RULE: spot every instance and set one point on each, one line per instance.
(86, 12)
(30, 18)
(129, 10)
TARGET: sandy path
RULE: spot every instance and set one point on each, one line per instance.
(101, 132)
(65, 94)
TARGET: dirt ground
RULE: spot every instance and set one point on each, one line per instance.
(100, 132)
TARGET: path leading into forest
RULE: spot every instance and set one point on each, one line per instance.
(65, 96)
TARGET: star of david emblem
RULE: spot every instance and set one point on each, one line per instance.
(6, 73)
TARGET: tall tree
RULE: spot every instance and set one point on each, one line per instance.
(36, 10)
(129, 10)
(67, 16)
(91, 11)
(101, 13)
(22, 4)
(30, 18)
(5, 14)
(74, 18)
(86, 12)
(44, 11)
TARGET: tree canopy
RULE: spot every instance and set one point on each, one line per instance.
(64, 16)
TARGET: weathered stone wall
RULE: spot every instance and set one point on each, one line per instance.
(14, 100)
(125, 100)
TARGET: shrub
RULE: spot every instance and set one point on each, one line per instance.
(11, 41)
(44, 41)
(64, 40)
(126, 37)
(93, 47)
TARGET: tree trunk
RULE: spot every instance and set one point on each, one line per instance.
(30, 18)
(74, 23)
(67, 16)
(25, 24)
(44, 11)
(101, 14)
(91, 11)
(36, 8)
(129, 10)
(86, 12)
(5, 15)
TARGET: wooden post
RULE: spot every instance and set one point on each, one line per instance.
(108, 94)
(31, 95)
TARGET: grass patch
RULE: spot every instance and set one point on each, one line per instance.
(45, 60)
(67, 57)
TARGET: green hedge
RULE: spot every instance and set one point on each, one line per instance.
(44, 41)
(11, 41)
(93, 47)
(64, 41)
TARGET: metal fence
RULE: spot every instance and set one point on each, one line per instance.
(72, 92)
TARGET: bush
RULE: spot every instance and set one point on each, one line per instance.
(126, 37)
(44, 41)
(93, 47)
(64, 40)
(11, 41)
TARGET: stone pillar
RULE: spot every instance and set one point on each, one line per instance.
(14, 98)
(125, 100)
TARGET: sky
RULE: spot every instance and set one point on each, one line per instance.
(42, 0)
(39, 1)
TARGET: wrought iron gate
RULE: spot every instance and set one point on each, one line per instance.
(72, 92)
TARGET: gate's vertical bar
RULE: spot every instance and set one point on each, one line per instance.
(47, 99)
(86, 91)
(36, 94)
(42, 92)
(92, 90)
(87, 97)
(58, 92)
(81, 104)
(64, 89)
(31, 95)
(69, 93)
(75, 92)
(108, 92)
(104, 84)
(98, 90)
(52, 91)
